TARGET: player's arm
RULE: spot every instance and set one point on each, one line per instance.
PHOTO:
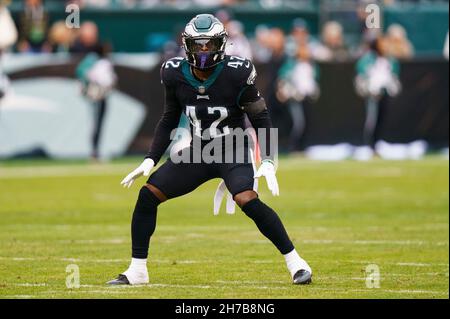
(253, 104)
(255, 107)
(161, 141)
(168, 122)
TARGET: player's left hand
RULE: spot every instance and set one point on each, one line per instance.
(267, 169)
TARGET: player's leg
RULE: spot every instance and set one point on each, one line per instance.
(239, 180)
(169, 181)
(380, 119)
(100, 111)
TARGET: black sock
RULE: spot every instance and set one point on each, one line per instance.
(269, 224)
(144, 222)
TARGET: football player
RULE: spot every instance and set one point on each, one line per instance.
(215, 91)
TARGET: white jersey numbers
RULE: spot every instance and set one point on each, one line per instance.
(173, 63)
(214, 132)
(236, 62)
(223, 115)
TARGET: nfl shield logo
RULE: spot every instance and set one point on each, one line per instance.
(201, 89)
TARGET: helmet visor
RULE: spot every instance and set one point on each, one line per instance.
(204, 45)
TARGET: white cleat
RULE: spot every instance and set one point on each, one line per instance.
(131, 278)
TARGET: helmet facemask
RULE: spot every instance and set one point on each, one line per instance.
(204, 52)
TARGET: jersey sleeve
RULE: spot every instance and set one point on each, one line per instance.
(247, 74)
(253, 104)
(169, 120)
(166, 75)
(244, 76)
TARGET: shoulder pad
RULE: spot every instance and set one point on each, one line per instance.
(169, 69)
(243, 70)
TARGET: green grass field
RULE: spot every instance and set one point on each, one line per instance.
(341, 216)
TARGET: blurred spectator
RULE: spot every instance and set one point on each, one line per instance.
(224, 16)
(214, 3)
(300, 36)
(366, 41)
(4, 81)
(87, 39)
(96, 73)
(276, 44)
(94, 3)
(260, 44)
(97, 76)
(60, 37)
(4, 85)
(397, 43)
(269, 45)
(238, 44)
(367, 35)
(377, 79)
(273, 43)
(33, 26)
(378, 72)
(333, 45)
(8, 31)
(170, 50)
(297, 85)
(8, 37)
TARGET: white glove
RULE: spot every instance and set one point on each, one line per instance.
(218, 197)
(267, 169)
(143, 169)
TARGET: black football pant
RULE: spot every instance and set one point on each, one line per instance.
(175, 180)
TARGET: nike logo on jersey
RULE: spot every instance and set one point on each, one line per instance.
(202, 97)
(248, 64)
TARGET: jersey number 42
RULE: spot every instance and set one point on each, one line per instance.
(214, 132)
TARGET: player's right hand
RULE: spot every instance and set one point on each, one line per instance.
(144, 169)
(267, 169)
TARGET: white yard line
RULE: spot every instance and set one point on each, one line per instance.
(219, 284)
(405, 264)
(376, 242)
(63, 171)
(223, 285)
(211, 261)
(170, 239)
(351, 242)
(112, 241)
(419, 264)
(27, 284)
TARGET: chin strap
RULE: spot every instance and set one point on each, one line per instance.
(203, 58)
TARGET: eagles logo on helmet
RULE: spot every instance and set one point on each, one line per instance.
(204, 40)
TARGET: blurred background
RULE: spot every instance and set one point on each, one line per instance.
(336, 89)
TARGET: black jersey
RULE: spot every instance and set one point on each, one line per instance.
(214, 107)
